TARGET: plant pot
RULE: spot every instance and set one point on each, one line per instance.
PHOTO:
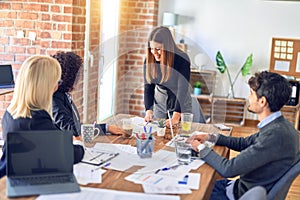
(197, 91)
(161, 131)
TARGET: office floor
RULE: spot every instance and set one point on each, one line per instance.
(294, 192)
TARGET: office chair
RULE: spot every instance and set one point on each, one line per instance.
(257, 193)
(197, 111)
(282, 186)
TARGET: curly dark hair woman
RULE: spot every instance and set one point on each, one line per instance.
(65, 112)
(70, 65)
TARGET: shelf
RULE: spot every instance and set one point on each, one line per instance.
(207, 77)
(229, 111)
(291, 113)
(205, 102)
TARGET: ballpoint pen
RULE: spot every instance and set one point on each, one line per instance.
(168, 168)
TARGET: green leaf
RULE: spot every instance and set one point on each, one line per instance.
(198, 84)
(220, 62)
(246, 67)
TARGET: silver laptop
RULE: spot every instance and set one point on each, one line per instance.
(6, 77)
(40, 162)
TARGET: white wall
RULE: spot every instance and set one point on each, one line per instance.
(236, 28)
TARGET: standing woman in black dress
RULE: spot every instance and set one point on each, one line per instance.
(166, 78)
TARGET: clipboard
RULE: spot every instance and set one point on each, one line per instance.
(98, 158)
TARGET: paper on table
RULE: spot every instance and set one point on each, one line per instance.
(125, 158)
(169, 186)
(171, 143)
(169, 189)
(85, 173)
(138, 120)
(196, 163)
(94, 194)
(192, 181)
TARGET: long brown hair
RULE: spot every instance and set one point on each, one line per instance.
(163, 36)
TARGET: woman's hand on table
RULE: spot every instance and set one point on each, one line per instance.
(149, 116)
(115, 130)
(174, 120)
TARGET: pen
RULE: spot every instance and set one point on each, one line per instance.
(96, 156)
(107, 164)
(168, 168)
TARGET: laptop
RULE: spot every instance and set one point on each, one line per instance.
(40, 162)
(6, 77)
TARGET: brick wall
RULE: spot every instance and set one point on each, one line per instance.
(58, 25)
(137, 18)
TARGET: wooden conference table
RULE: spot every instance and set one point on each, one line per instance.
(115, 180)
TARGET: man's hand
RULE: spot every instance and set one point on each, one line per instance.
(196, 140)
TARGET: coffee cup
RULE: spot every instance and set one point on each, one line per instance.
(127, 127)
(89, 132)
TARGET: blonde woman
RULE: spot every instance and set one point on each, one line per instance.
(31, 106)
(167, 76)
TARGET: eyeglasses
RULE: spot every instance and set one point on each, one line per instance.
(60, 82)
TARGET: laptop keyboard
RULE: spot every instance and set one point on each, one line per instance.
(42, 180)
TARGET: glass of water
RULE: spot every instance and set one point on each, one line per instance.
(183, 150)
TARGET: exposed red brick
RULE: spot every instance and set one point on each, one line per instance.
(4, 5)
(55, 9)
(3, 40)
(22, 58)
(16, 6)
(44, 8)
(24, 24)
(45, 34)
(27, 15)
(57, 44)
(32, 7)
(15, 49)
(68, 9)
(64, 2)
(61, 18)
(6, 57)
(45, 17)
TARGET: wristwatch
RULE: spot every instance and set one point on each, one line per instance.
(201, 147)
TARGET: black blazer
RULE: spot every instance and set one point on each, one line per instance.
(66, 115)
(40, 120)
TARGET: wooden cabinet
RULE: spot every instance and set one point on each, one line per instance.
(229, 111)
(291, 113)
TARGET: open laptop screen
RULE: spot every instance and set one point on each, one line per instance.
(39, 152)
(6, 76)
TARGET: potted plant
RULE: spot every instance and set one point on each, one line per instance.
(198, 87)
(161, 127)
(244, 70)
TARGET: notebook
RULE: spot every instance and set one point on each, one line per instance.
(40, 162)
(6, 77)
